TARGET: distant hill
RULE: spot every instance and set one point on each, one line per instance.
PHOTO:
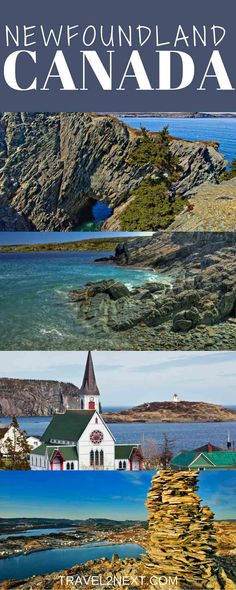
(36, 397)
(19, 525)
(182, 411)
(93, 244)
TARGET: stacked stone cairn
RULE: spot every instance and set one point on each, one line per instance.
(181, 534)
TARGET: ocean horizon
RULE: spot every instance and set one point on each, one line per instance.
(220, 129)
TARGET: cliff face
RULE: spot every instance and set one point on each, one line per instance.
(26, 397)
(176, 250)
(190, 306)
(53, 166)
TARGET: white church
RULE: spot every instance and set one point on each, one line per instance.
(81, 440)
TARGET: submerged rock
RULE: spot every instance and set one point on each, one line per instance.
(195, 288)
(114, 289)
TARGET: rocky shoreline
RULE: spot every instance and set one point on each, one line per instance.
(80, 537)
(191, 306)
(55, 166)
(183, 411)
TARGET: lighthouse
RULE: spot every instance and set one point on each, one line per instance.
(175, 398)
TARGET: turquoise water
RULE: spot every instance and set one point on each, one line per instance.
(99, 213)
(34, 309)
(185, 436)
(221, 129)
(46, 562)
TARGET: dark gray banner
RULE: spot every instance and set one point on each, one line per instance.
(117, 56)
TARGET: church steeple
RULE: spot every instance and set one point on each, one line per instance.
(89, 392)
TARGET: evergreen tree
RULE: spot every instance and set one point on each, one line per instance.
(17, 452)
(151, 208)
(15, 422)
(231, 173)
(166, 452)
(2, 462)
(156, 151)
(155, 203)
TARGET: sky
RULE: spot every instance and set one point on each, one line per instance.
(131, 378)
(10, 238)
(112, 494)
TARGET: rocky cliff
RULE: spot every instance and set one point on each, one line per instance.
(190, 306)
(55, 166)
(26, 397)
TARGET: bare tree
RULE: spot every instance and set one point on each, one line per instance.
(166, 451)
(151, 453)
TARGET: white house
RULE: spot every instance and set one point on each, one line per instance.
(81, 440)
(33, 441)
(9, 434)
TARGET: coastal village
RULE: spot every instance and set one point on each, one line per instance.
(180, 541)
(78, 436)
(79, 535)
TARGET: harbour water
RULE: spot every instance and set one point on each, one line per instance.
(185, 436)
(46, 562)
(219, 129)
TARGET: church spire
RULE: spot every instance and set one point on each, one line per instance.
(89, 385)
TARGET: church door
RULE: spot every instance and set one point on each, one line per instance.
(56, 464)
(91, 405)
(135, 465)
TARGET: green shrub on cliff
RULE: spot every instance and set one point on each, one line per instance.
(154, 150)
(151, 208)
(231, 173)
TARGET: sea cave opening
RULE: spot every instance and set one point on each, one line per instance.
(93, 216)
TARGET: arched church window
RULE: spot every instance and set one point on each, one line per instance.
(96, 458)
(72, 465)
(91, 458)
(68, 466)
(120, 464)
(82, 404)
(101, 458)
(124, 464)
(96, 420)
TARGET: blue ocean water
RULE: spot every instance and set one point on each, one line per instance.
(185, 436)
(35, 312)
(46, 562)
(221, 129)
(99, 213)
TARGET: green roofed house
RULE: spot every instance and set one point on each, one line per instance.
(80, 439)
(202, 460)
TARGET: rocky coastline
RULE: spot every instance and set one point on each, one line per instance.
(191, 305)
(182, 540)
(80, 536)
(183, 411)
(55, 166)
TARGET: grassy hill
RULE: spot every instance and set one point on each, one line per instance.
(96, 244)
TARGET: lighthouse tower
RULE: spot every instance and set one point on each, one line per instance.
(89, 392)
(175, 398)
